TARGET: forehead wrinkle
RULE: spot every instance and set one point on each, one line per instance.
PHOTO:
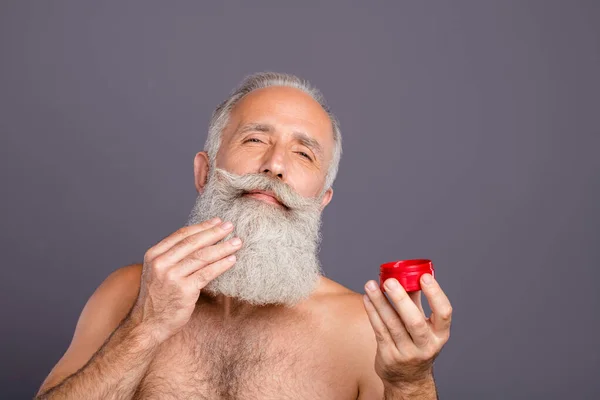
(258, 127)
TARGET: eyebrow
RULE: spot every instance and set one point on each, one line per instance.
(301, 137)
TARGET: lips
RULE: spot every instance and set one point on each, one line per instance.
(265, 196)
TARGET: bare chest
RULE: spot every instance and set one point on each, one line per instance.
(249, 363)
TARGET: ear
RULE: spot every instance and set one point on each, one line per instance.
(326, 198)
(201, 168)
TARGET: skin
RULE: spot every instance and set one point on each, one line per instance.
(143, 312)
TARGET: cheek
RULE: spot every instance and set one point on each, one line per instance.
(237, 162)
(306, 184)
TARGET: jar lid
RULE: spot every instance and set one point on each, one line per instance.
(415, 265)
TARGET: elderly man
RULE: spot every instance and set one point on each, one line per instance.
(234, 304)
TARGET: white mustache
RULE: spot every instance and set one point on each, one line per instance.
(242, 184)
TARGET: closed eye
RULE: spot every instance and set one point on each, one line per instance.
(303, 154)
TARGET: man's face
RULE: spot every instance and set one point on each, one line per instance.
(268, 181)
(282, 132)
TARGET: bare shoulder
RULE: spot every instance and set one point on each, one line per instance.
(112, 299)
(106, 307)
(343, 308)
(102, 313)
(352, 334)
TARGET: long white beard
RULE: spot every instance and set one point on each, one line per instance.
(278, 261)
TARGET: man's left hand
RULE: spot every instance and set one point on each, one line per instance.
(407, 341)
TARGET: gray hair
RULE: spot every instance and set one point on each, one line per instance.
(220, 116)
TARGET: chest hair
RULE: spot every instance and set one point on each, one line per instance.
(213, 360)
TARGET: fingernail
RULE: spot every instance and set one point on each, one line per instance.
(227, 225)
(231, 258)
(214, 221)
(391, 284)
(427, 279)
(371, 286)
(235, 241)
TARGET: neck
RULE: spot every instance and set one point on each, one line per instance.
(230, 308)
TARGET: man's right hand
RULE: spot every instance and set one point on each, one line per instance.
(176, 270)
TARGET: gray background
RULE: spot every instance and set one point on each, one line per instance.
(471, 133)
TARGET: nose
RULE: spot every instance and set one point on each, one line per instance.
(274, 163)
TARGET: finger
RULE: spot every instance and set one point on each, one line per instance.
(441, 309)
(416, 298)
(412, 317)
(190, 244)
(382, 335)
(207, 255)
(388, 315)
(177, 236)
(205, 275)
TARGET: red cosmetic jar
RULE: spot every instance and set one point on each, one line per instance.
(407, 272)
